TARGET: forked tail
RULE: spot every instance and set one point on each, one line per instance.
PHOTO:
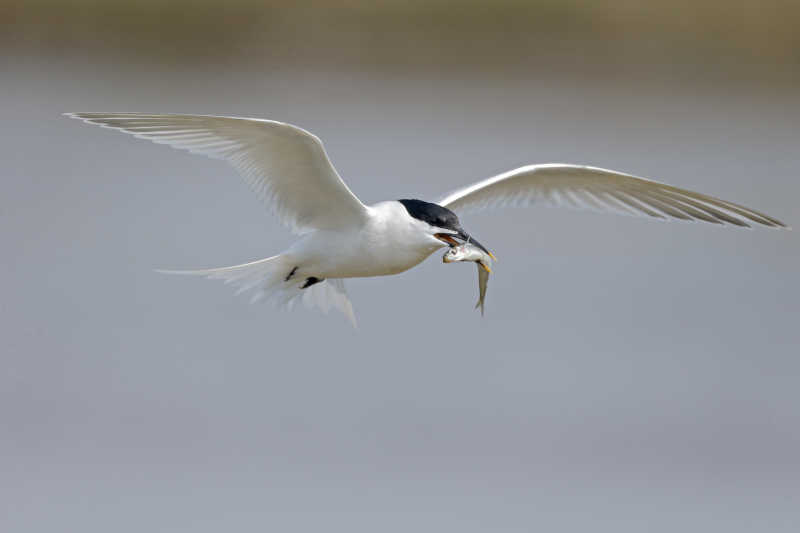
(273, 280)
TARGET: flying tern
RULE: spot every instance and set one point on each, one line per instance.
(340, 237)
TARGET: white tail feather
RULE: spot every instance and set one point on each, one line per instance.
(270, 280)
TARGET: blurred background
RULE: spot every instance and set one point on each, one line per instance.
(629, 375)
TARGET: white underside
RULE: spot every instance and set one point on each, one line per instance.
(389, 242)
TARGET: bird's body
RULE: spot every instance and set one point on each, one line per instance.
(388, 242)
(340, 237)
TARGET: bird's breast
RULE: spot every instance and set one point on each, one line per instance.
(382, 247)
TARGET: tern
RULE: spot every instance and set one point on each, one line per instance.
(340, 237)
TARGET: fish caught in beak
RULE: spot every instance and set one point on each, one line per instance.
(469, 251)
(450, 240)
(467, 238)
(455, 256)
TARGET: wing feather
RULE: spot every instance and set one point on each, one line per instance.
(286, 166)
(597, 189)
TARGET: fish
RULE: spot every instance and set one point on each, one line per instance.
(470, 252)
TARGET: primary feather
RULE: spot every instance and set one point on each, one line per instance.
(286, 166)
(598, 189)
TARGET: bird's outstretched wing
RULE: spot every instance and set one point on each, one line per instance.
(286, 166)
(598, 189)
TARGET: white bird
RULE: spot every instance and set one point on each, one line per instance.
(340, 237)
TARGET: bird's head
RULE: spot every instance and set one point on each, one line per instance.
(440, 223)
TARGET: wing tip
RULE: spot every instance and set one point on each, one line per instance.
(83, 115)
(91, 115)
(777, 224)
(73, 114)
(89, 118)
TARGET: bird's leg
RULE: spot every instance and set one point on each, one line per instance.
(290, 274)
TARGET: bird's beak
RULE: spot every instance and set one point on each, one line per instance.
(446, 238)
(467, 238)
(484, 265)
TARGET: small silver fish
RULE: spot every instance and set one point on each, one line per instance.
(469, 252)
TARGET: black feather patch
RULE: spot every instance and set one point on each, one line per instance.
(433, 214)
(311, 281)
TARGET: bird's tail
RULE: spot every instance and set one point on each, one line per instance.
(273, 280)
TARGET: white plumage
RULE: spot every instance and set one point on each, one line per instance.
(285, 166)
(340, 237)
(598, 189)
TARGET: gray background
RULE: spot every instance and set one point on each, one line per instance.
(629, 375)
